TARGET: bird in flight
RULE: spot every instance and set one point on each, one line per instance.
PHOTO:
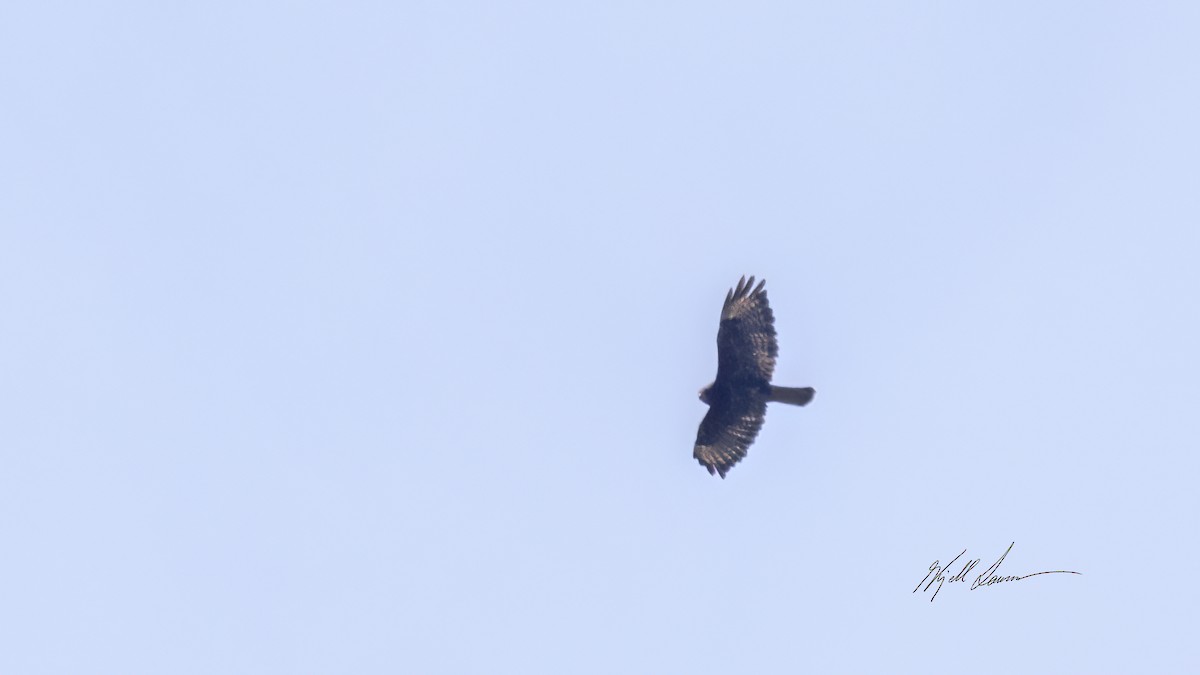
(737, 400)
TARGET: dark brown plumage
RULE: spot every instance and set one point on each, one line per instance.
(737, 399)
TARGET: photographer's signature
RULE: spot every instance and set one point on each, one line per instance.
(990, 576)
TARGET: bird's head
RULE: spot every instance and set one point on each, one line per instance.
(704, 394)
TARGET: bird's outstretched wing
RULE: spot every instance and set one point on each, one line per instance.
(746, 344)
(737, 400)
(727, 431)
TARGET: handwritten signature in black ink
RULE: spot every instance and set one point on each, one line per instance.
(990, 576)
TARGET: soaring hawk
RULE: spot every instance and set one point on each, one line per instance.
(737, 400)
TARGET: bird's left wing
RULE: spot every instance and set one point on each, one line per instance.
(746, 343)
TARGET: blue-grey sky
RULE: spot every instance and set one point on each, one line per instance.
(366, 337)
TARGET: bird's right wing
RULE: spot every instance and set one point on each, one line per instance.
(727, 431)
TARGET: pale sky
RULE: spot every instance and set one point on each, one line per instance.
(366, 337)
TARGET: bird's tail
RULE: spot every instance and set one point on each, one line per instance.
(793, 395)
